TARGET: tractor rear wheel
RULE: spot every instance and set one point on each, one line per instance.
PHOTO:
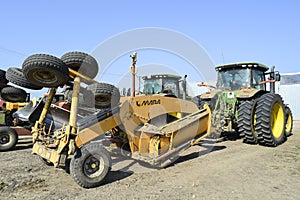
(8, 138)
(247, 121)
(288, 121)
(270, 120)
(45, 70)
(81, 62)
(13, 94)
(90, 165)
(16, 76)
(200, 102)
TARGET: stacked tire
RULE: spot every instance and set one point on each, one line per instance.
(91, 162)
(10, 93)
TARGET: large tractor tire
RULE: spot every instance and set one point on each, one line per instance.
(16, 76)
(247, 121)
(197, 100)
(104, 95)
(81, 62)
(270, 120)
(13, 94)
(200, 102)
(288, 121)
(45, 70)
(3, 79)
(90, 165)
(8, 138)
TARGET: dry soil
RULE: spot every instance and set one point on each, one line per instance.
(228, 169)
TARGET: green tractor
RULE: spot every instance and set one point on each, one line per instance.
(245, 101)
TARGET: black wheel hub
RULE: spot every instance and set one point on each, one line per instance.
(4, 139)
(91, 166)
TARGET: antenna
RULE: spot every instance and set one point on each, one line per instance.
(223, 58)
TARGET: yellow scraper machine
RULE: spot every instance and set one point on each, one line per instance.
(149, 128)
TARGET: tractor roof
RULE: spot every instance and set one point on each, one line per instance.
(242, 65)
(157, 76)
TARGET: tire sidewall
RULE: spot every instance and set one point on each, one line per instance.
(16, 76)
(281, 138)
(13, 138)
(289, 116)
(264, 114)
(78, 162)
(13, 94)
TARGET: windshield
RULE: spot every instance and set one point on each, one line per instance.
(152, 86)
(234, 79)
(258, 77)
(170, 87)
(155, 86)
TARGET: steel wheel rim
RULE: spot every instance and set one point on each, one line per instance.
(45, 76)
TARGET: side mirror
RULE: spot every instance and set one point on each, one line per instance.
(277, 76)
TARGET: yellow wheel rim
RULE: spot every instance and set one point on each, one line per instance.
(254, 123)
(288, 125)
(277, 120)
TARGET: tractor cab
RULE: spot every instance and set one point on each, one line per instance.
(241, 76)
(165, 84)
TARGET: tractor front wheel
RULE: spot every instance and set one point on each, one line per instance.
(270, 123)
(288, 121)
(90, 165)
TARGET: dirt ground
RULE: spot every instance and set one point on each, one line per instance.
(222, 170)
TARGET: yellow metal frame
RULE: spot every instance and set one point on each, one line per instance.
(135, 113)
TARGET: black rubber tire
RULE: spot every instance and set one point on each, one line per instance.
(86, 159)
(196, 100)
(45, 70)
(200, 102)
(3, 78)
(270, 120)
(15, 75)
(13, 94)
(103, 95)
(246, 121)
(81, 62)
(288, 121)
(8, 138)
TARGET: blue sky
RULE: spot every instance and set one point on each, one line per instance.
(230, 31)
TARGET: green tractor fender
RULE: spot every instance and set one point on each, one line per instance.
(210, 94)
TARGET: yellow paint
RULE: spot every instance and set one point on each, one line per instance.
(277, 120)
